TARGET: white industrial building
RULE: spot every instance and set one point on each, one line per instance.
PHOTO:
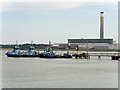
(85, 46)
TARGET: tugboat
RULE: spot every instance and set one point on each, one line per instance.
(30, 53)
(14, 53)
(48, 53)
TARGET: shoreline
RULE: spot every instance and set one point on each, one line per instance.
(66, 50)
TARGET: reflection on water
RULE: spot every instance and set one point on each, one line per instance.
(59, 73)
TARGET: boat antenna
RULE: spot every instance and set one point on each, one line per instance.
(68, 47)
(16, 42)
(32, 43)
(49, 44)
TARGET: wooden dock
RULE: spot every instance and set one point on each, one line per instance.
(114, 56)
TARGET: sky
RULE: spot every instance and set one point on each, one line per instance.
(42, 22)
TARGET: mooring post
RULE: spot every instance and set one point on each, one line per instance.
(99, 57)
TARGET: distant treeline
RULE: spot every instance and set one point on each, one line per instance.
(42, 47)
(26, 46)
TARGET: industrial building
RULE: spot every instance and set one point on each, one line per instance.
(85, 46)
(97, 44)
(110, 41)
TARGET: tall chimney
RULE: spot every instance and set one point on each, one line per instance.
(101, 25)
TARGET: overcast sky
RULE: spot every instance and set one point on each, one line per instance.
(57, 21)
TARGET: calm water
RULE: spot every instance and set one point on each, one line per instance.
(59, 73)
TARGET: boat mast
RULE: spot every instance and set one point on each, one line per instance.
(32, 43)
(68, 47)
(49, 44)
(16, 43)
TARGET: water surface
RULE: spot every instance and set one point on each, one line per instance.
(59, 73)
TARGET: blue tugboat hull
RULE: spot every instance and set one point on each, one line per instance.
(69, 56)
(48, 56)
(23, 55)
(18, 53)
(54, 56)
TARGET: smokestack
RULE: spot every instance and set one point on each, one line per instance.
(101, 25)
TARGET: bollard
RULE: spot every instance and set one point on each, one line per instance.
(99, 57)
